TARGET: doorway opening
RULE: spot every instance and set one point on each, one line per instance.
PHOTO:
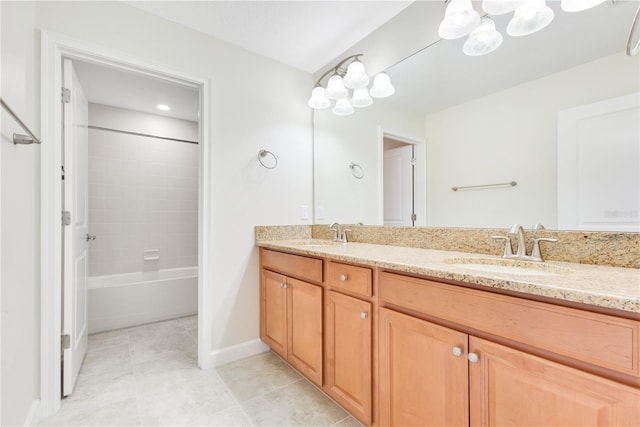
(56, 50)
(130, 197)
(403, 181)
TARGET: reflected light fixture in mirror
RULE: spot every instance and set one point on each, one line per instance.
(529, 17)
(342, 80)
(459, 19)
(483, 39)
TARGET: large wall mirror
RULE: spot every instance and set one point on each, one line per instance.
(493, 119)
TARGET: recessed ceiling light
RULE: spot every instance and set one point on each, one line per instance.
(163, 107)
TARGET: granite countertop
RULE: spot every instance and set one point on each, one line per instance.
(609, 287)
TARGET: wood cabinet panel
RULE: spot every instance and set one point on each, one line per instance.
(602, 340)
(348, 353)
(421, 382)
(309, 269)
(512, 388)
(350, 278)
(273, 304)
(305, 329)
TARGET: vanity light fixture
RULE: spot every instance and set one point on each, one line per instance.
(484, 39)
(459, 19)
(529, 16)
(163, 107)
(348, 87)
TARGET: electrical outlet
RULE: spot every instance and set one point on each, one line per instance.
(320, 212)
(304, 212)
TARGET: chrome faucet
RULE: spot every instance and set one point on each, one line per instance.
(335, 227)
(521, 251)
(339, 234)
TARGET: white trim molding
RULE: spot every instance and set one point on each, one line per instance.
(53, 48)
(35, 414)
(236, 352)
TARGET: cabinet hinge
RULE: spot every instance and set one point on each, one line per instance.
(66, 218)
(66, 95)
(65, 341)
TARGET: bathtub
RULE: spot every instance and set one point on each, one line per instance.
(122, 300)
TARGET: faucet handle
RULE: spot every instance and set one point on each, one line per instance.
(344, 235)
(507, 247)
(535, 252)
(335, 227)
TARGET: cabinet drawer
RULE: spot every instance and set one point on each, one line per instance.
(602, 340)
(293, 265)
(350, 278)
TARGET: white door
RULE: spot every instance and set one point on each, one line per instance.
(599, 166)
(75, 268)
(398, 186)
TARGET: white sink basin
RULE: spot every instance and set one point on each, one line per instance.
(507, 266)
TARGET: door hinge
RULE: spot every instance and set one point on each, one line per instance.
(66, 95)
(66, 218)
(62, 173)
(414, 218)
(413, 161)
(65, 342)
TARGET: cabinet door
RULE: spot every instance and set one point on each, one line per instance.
(305, 329)
(348, 353)
(422, 383)
(273, 303)
(512, 388)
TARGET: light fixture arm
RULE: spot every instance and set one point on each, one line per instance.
(337, 69)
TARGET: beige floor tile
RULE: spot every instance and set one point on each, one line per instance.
(108, 339)
(114, 359)
(120, 413)
(190, 403)
(100, 389)
(257, 375)
(297, 404)
(162, 375)
(163, 346)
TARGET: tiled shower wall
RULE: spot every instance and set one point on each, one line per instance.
(143, 192)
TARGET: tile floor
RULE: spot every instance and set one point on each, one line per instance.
(147, 376)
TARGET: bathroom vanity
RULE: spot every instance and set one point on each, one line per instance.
(404, 336)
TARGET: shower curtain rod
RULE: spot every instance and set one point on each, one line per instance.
(126, 132)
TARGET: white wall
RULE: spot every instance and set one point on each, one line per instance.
(340, 140)
(20, 226)
(511, 135)
(257, 103)
(143, 192)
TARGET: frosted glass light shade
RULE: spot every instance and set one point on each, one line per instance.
(335, 88)
(500, 7)
(483, 39)
(356, 76)
(343, 107)
(318, 100)
(531, 16)
(382, 86)
(459, 19)
(361, 98)
(579, 5)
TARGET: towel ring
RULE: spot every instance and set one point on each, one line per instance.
(264, 153)
(356, 170)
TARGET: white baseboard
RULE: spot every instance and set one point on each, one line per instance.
(233, 353)
(34, 415)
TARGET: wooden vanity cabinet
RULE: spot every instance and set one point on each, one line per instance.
(430, 374)
(348, 338)
(291, 311)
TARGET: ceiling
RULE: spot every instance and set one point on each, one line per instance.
(109, 86)
(303, 34)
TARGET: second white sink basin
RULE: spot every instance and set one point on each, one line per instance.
(507, 266)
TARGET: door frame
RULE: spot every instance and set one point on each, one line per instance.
(420, 174)
(54, 47)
